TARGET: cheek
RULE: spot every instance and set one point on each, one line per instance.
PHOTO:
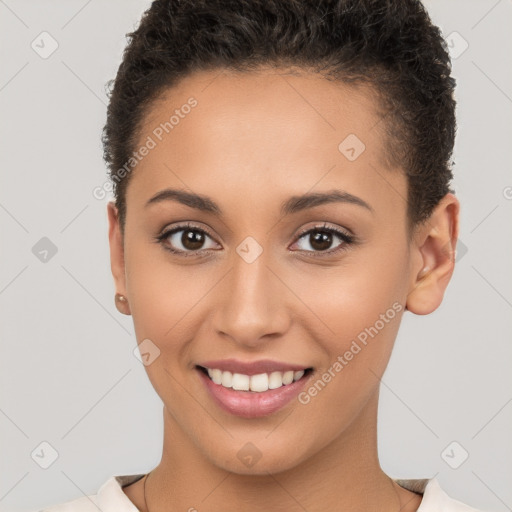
(359, 305)
(352, 296)
(358, 345)
(164, 301)
(162, 293)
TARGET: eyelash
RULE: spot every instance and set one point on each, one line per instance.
(345, 237)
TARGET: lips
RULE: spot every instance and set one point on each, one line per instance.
(253, 389)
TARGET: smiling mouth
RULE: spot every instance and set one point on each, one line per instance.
(259, 383)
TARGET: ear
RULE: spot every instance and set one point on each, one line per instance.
(433, 257)
(117, 256)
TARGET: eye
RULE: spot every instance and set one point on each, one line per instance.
(188, 240)
(320, 238)
(183, 239)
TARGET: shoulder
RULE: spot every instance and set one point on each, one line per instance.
(109, 498)
(435, 499)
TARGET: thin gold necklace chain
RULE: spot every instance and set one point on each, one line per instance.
(147, 509)
(145, 502)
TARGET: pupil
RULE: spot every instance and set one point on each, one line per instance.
(192, 240)
(321, 240)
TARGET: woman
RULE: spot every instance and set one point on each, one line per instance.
(281, 172)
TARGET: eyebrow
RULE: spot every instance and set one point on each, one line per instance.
(292, 205)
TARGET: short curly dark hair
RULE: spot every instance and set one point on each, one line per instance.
(390, 44)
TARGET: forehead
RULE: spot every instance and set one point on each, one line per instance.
(256, 106)
(262, 132)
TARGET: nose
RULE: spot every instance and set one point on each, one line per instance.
(250, 306)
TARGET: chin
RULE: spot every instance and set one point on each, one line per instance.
(249, 460)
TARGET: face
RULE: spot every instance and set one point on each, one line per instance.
(264, 274)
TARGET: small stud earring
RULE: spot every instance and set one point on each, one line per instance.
(122, 304)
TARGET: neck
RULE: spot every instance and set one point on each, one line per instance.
(344, 475)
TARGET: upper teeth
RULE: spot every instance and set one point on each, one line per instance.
(259, 383)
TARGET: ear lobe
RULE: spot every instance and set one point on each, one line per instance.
(435, 244)
(117, 265)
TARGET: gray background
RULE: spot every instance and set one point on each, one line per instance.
(68, 373)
